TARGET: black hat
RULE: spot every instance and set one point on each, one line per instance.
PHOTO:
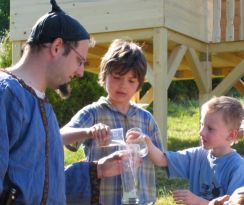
(56, 24)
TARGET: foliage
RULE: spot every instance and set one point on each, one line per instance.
(71, 157)
(4, 16)
(5, 51)
(183, 90)
(84, 91)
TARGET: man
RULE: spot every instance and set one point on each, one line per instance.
(31, 150)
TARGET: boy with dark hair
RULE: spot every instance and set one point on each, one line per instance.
(122, 72)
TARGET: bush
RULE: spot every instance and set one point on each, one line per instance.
(85, 90)
(5, 51)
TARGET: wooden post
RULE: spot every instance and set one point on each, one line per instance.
(230, 12)
(216, 20)
(16, 51)
(160, 94)
(205, 59)
(241, 20)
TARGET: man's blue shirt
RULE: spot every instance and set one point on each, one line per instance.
(22, 150)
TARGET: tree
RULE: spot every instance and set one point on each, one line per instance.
(4, 17)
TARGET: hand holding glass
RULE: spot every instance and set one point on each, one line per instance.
(137, 137)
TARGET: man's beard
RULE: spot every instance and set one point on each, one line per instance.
(64, 91)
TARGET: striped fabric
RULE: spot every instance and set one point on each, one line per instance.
(103, 112)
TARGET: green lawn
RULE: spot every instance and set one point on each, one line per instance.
(183, 127)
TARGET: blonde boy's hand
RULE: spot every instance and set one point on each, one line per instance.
(219, 200)
(185, 196)
(100, 132)
(133, 137)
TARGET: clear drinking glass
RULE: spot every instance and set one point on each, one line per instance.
(117, 136)
(140, 140)
(129, 177)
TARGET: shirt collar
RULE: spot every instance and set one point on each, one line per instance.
(132, 109)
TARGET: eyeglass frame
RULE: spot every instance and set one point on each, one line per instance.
(82, 59)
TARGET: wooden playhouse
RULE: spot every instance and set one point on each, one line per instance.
(182, 39)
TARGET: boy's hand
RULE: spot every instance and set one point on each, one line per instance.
(100, 132)
(133, 137)
(185, 196)
(219, 200)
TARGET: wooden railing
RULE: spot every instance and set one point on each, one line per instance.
(228, 20)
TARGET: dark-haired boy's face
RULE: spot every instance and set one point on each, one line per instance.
(121, 88)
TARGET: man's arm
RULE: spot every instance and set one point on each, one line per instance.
(83, 178)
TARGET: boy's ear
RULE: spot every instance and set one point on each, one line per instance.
(233, 134)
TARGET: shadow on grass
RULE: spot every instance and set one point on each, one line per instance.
(165, 186)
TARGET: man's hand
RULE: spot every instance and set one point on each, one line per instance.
(112, 165)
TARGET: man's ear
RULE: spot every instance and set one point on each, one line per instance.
(57, 46)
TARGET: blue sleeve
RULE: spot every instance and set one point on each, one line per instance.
(180, 162)
(9, 128)
(237, 180)
(236, 176)
(77, 182)
(83, 118)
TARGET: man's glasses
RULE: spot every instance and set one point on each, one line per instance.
(82, 59)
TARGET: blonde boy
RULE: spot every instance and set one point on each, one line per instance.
(213, 169)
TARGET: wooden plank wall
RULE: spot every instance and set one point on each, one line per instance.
(188, 18)
(116, 15)
(97, 16)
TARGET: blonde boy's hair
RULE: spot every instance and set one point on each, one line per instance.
(123, 56)
(231, 109)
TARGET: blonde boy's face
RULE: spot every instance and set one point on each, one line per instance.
(214, 132)
(121, 88)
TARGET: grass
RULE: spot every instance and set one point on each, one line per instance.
(183, 128)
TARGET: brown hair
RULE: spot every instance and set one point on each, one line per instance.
(123, 56)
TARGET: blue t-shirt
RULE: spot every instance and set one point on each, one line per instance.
(209, 177)
(22, 150)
